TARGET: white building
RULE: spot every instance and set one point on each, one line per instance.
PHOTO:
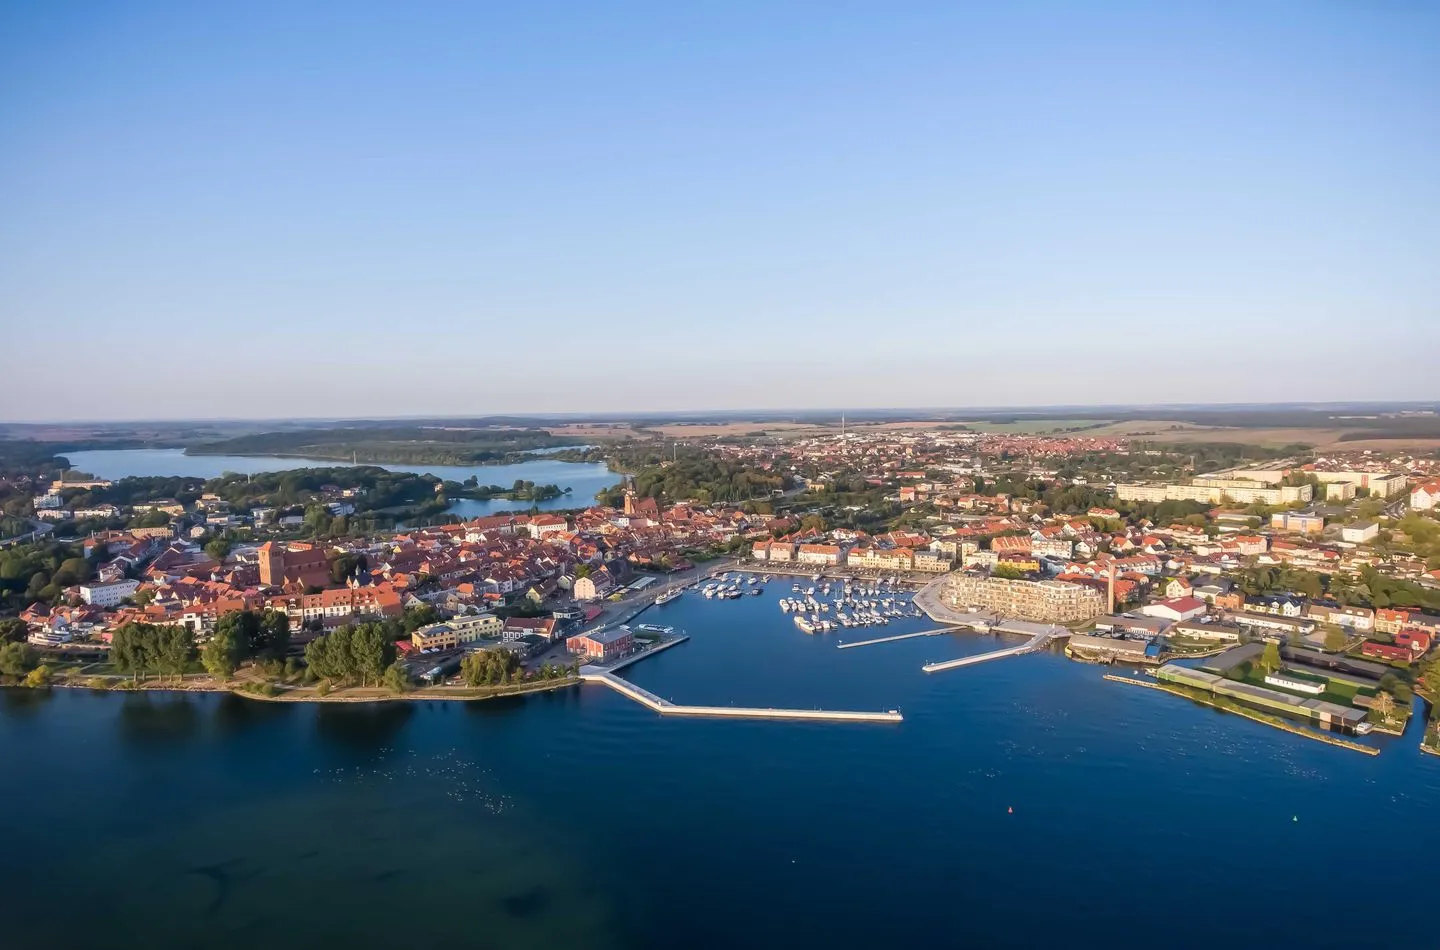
(1425, 497)
(107, 595)
(1360, 532)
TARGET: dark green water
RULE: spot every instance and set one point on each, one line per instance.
(578, 819)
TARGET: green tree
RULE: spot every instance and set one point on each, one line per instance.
(419, 616)
(17, 659)
(174, 649)
(1270, 658)
(132, 649)
(219, 547)
(223, 652)
(275, 634)
(397, 677)
(12, 630)
(38, 677)
(1334, 640)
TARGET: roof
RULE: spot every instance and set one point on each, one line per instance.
(606, 636)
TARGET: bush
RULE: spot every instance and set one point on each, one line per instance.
(324, 688)
(267, 689)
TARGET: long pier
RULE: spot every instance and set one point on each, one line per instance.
(664, 707)
(1038, 641)
(900, 636)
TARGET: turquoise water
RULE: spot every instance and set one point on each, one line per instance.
(583, 479)
(580, 819)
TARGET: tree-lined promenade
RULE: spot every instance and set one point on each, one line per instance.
(247, 654)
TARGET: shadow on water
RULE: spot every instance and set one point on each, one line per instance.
(146, 716)
(21, 702)
(362, 724)
(235, 714)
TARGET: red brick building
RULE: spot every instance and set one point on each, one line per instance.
(303, 565)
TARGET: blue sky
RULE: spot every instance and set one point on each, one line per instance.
(382, 208)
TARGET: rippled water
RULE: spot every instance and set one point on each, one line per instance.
(580, 819)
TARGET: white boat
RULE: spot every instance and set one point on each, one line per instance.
(654, 628)
(669, 595)
(804, 624)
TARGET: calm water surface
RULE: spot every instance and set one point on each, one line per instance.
(579, 819)
(583, 479)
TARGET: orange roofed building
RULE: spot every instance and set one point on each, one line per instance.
(291, 565)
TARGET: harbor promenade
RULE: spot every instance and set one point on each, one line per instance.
(1041, 635)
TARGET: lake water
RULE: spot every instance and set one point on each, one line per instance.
(583, 479)
(579, 819)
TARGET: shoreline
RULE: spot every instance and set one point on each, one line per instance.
(1247, 714)
(346, 695)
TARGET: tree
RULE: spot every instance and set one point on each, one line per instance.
(175, 648)
(132, 649)
(1270, 658)
(397, 677)
(12, 630)
(1384, 705)
(275, 634)
(420, 616)
(38, 677)
(223, 653)
(219, 548)
(1334, 640)
(17, 659)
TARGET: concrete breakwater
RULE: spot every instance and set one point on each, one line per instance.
(666, 708)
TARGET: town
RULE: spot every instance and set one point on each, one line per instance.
(1292, 582)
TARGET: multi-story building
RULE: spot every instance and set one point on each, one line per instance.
(1214, 490)
(107, 595)
(823, 554)
(456, 632)
(1425, 497)
(1303, 522)
(601, 645)
(934, 562)
(1361, 532)
(294, 564)
(336, 607)
(1046, 601)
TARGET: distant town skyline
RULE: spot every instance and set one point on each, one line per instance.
(276, 212)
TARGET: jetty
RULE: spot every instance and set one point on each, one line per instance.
(593, 674)
(898, 636)
(1040, 638)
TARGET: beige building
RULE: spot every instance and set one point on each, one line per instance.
(1046, 601)
(1214, 490)
(453, 633)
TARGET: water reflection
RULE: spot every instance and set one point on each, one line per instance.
(362, 724)
(21, 702)
(235, 714)
(147, 716)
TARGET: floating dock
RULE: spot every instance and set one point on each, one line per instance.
(664, 707)
(900, 636)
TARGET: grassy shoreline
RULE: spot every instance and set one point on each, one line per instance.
(1272, 721)
(310, 694)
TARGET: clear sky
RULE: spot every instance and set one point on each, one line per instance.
(287, 209)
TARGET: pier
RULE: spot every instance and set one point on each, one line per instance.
(1039, 640)
(594, 674)
(900, 636)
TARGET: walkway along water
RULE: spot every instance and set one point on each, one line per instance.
(900, 636)
(1040, 635)
(605, 675)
